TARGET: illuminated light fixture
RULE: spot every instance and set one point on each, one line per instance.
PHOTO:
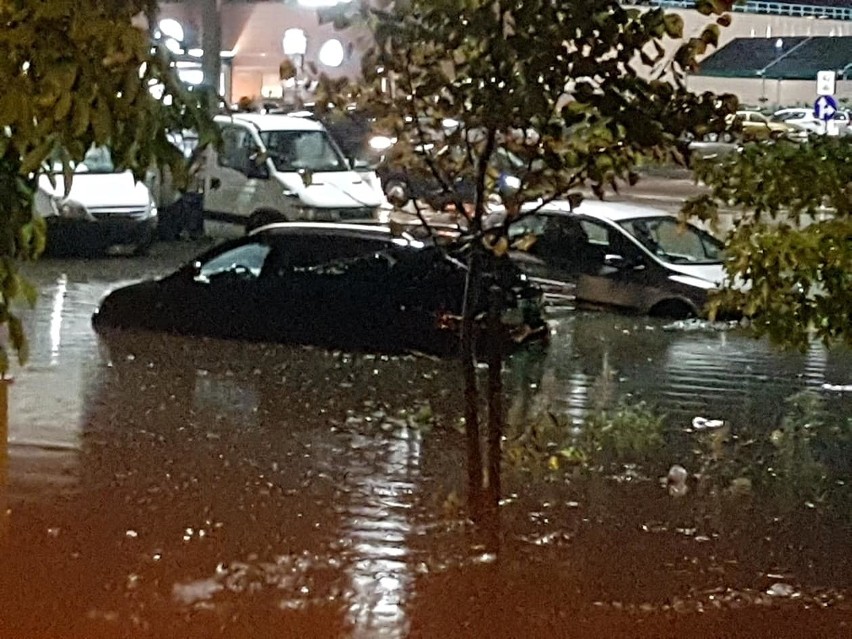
(196, 53)
(295, 42)
(191, 76)
(173, 45)
(171, 28)
(381, 142)
(331, 53)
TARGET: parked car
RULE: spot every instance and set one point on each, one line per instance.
(402, 185)
(714, 145)
(757, 127)
(634, 258)
(806, 120)
(340, 285)
(801, 118)
(104, 208)
(274, 168)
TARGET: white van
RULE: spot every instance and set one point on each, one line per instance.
(274, 168)
(103, 209)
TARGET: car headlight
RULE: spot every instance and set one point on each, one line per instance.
(72, 210)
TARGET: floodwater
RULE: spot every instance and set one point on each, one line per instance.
(172, 487)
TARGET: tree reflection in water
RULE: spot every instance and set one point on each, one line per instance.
(309, 493)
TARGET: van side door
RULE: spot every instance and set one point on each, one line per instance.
(227, 188)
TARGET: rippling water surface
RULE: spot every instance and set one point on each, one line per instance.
(162, 486)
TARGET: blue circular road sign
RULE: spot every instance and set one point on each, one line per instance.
(825, 107)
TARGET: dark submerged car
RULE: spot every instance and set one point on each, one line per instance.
(335, 285)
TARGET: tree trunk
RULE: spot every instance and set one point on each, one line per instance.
(471, 393)
(495, 418)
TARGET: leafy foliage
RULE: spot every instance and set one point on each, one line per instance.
(609, 438)
(791, 241)
(578, 92)
(78, 73)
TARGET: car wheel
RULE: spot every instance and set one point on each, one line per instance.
(674, 309)
(143, 246)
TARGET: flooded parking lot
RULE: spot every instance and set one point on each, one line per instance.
(163, 486)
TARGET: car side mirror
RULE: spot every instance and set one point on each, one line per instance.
(360, 164)
(615, 261)
(621, 263)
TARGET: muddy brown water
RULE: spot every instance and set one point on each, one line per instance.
(173, 487)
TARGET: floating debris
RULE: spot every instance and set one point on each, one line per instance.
(703, 423)
(676, 481)
(781, 589)
(838, 388)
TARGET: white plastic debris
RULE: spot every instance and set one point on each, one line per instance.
(676, 481)
(781, 589)
(702, 423)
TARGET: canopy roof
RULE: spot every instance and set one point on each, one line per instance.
(791, 58)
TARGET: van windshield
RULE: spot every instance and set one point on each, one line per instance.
(303, 151)
(96, 160)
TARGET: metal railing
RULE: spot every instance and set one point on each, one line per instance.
(766, 8)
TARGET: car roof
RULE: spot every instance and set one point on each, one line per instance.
(273, 121)
(609, 211)
(327, 229)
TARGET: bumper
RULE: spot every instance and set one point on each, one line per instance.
(66, 235)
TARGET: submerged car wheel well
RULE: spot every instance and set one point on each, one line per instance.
(673, 308)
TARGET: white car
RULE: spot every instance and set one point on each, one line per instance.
(804, 118)
(635, 258)
(104, 208)
(274, 168)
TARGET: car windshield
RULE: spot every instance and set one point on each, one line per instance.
(303, 151)
(96, 160)
(674, 242)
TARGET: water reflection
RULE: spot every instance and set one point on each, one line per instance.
(594, 359)
(56, 317)
(233, 486)
(376, 523)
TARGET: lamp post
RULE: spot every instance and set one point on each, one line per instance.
(211, 43)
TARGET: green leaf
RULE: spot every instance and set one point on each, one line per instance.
(674, 25)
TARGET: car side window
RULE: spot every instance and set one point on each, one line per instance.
(562, 239)
(243, 262)
(530, 225)
(237, 148)
(313, 256)
(606, 240)
(595, 231)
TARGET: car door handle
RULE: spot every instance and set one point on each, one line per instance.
(215, 183)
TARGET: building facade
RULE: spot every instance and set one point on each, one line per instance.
(256, 37)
